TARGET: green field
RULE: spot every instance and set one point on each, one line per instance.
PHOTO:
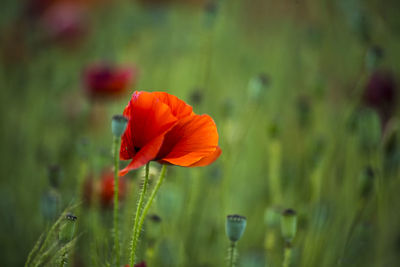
(285, 82)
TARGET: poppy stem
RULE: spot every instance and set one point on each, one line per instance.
(287, 254)
(147, 207)
(116, 142)
(136, 230)
(232, 254)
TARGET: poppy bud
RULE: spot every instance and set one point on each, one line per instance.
(273, 128)
(366, 180)
(369, 129)
(257, 86)
(155, 218)
(118, 125)
(303, 107)
(196, 96)
(288, 224)
(228, 108)
(271, 217)
(55, 175)
(50, 204)
(211, 10)
(373, 57)
(153, 230)
(67, 231)
(235, 226)
(83, 148)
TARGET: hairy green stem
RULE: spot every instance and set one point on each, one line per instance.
(63, 259)
(287, 255)
(116, 145)
(151, 198)
(136, 230)
(232, 254)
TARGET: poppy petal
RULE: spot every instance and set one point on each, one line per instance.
(178, 107)
(191, 139)
(145, 154)
(207, 160)
(148, 118)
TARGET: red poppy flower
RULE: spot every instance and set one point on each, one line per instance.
(103, 80)
(163, 128)
(141, 264)
(107, 189)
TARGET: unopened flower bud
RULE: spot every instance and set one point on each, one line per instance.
(258, 86)
(373, 57)
(118, 125)
(211, 10)
(50, 204)
(288, 224)
(271, 217)
(235, 226)
(55, 175)
(67, 231)
(366, 180)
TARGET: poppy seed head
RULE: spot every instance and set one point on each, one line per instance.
(118, 125)
(289, 212)
(235, 226)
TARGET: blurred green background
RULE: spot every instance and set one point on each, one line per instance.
(285, 82)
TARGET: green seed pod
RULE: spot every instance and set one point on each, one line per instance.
(67, 230)
(257, 87)
(366, 180)
(271, 217)
(118, 125)
(235, 226)
(288, 224)
(55, 175)
(373, 57)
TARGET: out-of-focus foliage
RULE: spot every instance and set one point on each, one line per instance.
(307, 116)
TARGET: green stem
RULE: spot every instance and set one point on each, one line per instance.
(288, 255)
(136, 230)
(116, 144)
(232, 254)
(63, 259)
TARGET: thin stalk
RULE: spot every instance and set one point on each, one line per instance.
(63, 259)
(287, 255)
(151, 198)
(232, 254)
(116, 144)
(34, 250)
(136, 230)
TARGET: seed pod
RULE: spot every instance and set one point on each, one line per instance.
(258, 86)
(288, 224)
(366, 180)
(235, 226)
(67, 230)
(373, 57)
(118, 125)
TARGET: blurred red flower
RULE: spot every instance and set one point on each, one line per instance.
(65, 22)
(380, 94)
(141, 264)
(107, 189)
(104, 80)
(163, 128)
(103, 189)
